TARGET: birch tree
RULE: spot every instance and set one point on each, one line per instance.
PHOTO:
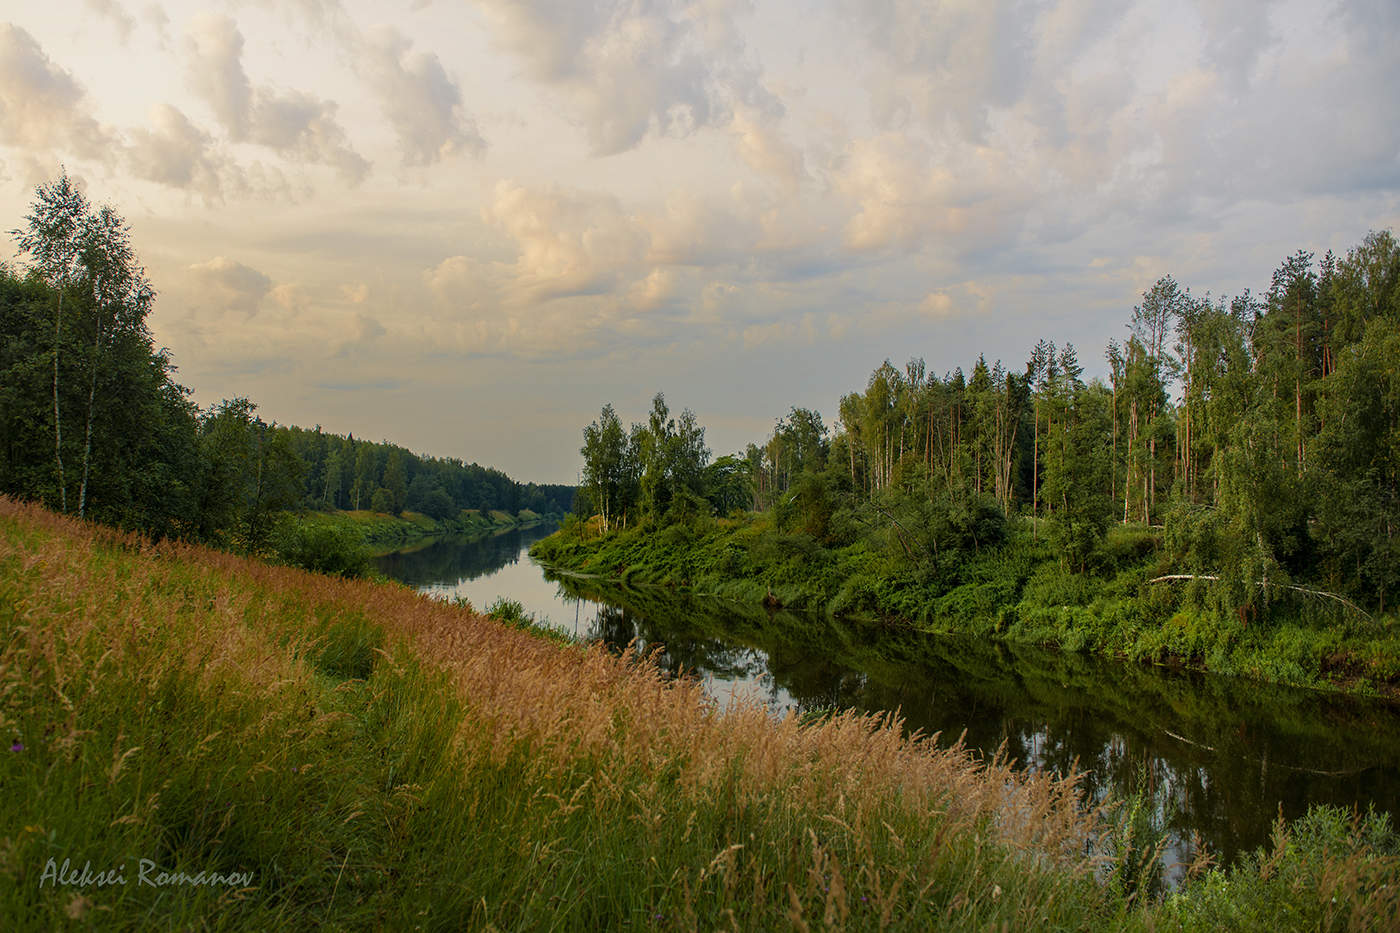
(85, 256)
(51, 238)
(120, 296)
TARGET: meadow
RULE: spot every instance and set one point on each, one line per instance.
(350, 753)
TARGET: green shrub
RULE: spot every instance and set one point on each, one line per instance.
(1127, 545)
(1330, 870)
(509, 611)
(1053, 585)
(321, 548)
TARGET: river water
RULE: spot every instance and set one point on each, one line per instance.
(1220, 758)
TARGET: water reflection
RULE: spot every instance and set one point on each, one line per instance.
(1220, 757)
(442, 563)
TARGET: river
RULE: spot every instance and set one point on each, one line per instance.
(1219, 757)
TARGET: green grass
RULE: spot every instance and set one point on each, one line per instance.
(375, 760)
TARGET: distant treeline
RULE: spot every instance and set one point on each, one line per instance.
(93, 423)
(345, 473)
(1261, 434)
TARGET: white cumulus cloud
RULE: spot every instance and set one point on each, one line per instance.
(293, 123)
(418, 97)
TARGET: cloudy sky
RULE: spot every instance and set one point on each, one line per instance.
(465, 226)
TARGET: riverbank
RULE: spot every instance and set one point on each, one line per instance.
(345, 544)
(382, 532)
(1020, 592)
(349, 753)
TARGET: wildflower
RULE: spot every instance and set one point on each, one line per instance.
(18, 746)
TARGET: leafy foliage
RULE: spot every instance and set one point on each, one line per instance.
(328, 549)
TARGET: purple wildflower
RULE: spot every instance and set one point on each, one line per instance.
(17, 747)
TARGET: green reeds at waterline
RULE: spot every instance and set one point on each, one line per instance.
(323, 751)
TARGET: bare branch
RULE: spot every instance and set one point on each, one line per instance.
(1307, 591)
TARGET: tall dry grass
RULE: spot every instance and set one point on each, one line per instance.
(381, 758)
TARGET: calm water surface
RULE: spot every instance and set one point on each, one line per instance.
(1221, 758)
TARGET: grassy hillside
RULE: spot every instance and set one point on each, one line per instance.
(322, 751)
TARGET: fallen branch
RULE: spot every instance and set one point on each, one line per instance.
(1170, 577)
(1265, 762)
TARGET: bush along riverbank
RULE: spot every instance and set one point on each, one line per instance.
(231, 744)
(1018, 590)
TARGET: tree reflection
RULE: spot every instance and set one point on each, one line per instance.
(455, 558)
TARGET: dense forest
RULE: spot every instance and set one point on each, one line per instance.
(94, 423)
(1243, 456)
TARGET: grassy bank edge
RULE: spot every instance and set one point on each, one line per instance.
(383, 532)
(1021, 594)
